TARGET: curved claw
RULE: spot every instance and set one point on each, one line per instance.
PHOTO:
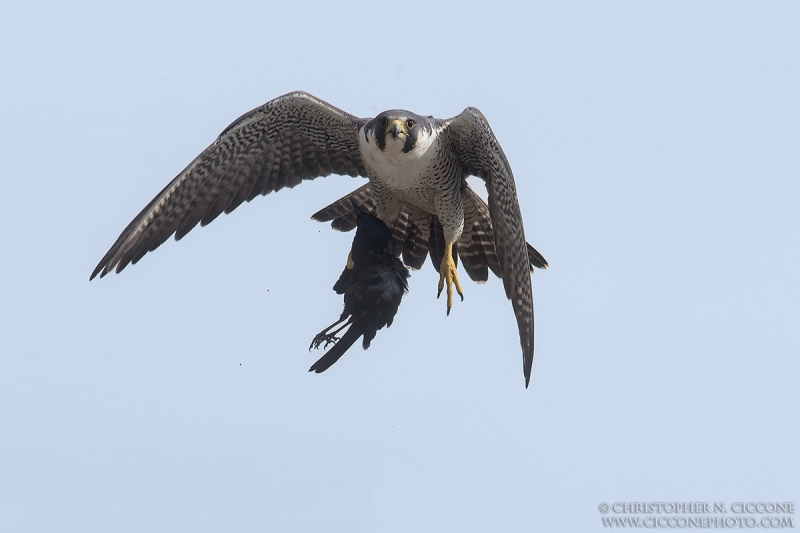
(449, 275)
(323, 337)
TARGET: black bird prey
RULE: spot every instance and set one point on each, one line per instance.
(373, 283)
(416, 166)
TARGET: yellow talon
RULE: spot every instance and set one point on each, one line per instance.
(448, 273)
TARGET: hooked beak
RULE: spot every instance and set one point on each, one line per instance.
(396, 127)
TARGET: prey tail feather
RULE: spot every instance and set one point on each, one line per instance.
(341, 346)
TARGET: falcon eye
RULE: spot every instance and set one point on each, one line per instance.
(384, 122)
(410, 123)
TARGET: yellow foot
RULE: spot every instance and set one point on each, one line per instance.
(448, 274)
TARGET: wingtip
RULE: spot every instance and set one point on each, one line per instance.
(97, 270)
(527, 366)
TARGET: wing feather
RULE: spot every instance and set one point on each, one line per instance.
(293, 138)
(481, 155)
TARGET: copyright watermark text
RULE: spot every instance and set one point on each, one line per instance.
(698, 515)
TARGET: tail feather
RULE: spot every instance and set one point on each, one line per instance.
(342, 214)
(338, 350)
(537, 260)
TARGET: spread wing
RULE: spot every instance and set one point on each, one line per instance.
(480, 155)
(292, 138)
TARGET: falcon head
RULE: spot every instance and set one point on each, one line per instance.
(397, 131)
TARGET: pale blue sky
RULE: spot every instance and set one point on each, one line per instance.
(655, 148)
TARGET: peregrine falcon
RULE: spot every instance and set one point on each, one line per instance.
(373, 283)
(416, 166)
